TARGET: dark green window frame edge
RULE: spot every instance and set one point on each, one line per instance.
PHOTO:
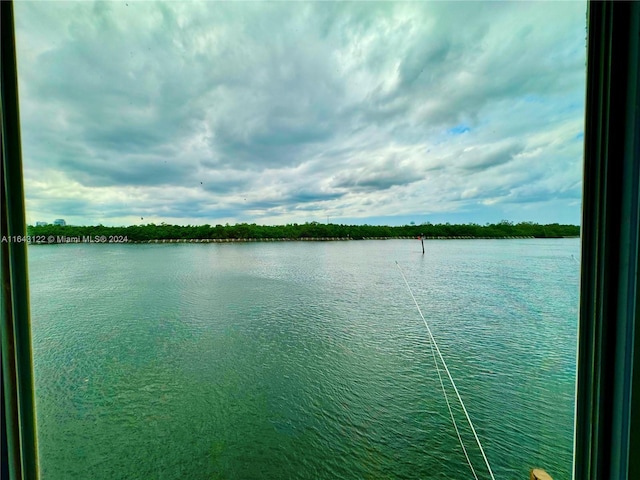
(608, 398)
(19, 439)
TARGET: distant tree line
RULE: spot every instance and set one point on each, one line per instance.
(295, 231)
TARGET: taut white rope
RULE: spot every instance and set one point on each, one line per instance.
(444, 364)
(455, 425)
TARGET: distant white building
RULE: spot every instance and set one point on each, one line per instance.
(59, 221)
(41, 224)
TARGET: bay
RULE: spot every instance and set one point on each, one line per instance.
(303, 359)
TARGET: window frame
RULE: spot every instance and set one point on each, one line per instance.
(19, 453)
(608, 379)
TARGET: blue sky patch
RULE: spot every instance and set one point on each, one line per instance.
(459, 129)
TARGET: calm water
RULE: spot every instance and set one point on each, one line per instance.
(303, 360)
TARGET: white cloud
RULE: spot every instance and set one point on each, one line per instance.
(193, 112)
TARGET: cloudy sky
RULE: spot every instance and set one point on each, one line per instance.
(273, 112)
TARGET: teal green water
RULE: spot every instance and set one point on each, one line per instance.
(302, 360)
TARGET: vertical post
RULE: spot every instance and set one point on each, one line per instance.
(422, 241)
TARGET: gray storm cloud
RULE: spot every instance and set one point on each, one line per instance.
(276, 112)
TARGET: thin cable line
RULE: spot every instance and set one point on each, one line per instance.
(444, 364)
(446, 398)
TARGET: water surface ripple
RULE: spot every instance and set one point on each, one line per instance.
(302, 360)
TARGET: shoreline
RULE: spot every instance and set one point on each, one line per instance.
(63, 240)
